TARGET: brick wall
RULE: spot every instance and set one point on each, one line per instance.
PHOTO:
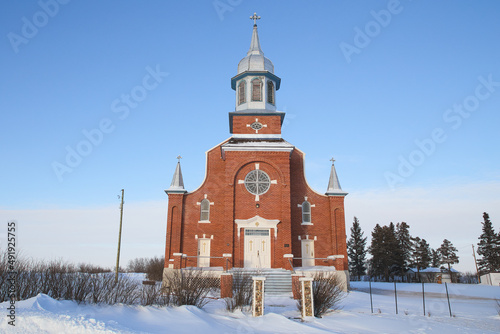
(232, 201)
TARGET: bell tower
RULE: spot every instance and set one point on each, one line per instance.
(255, 85)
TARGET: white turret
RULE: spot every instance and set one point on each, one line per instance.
(255, 84)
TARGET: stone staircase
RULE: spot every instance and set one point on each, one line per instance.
(278, 281)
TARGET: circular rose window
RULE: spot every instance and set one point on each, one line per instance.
(257, 182)
(256, 126)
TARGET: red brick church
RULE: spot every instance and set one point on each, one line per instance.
(254, 207)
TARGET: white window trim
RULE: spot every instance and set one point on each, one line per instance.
(310, 212)
(210, 203)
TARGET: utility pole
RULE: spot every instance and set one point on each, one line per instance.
(119, 240)
(475, 262)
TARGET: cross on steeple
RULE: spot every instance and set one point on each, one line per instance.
(179, 158)
(254, 18)
(332, 160)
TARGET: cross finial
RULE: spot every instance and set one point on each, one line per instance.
(179, 158)
(254, 18)
(332, 160)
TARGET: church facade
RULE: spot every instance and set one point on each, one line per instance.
(255, 209)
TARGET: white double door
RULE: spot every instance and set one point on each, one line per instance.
(257, 248)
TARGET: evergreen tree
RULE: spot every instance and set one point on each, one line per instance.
(488, 248)
(394, 251)
(356, 250)
(377, 262)
(422, 254)
(386, 255)
(415, 242)
(448, 254)
(405, 245)
(435, 258)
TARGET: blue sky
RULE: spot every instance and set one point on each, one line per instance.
(405, 95)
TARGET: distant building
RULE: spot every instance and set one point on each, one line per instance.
(491, 279)
(255, 207)
(432, 275)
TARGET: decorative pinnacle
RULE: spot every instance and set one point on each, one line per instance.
(179, 158)
(332, 160)
(254, 18)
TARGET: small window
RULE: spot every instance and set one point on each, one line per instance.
(306, 213)
(241, 92)
(270, 92)
(256, 90)
(205, 210)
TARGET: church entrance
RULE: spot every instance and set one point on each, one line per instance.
(257, 248)
(307, 253)
(203, 252)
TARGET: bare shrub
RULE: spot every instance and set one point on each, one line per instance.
(92, 269)
(242, 291)
(137, 265)
(85, 283)
(153, 295)
(154, 268)
(125, 291)
(468, 277)
(327, 293)
(81, 287)
(189, 286)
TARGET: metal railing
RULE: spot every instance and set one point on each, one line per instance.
(209, 257)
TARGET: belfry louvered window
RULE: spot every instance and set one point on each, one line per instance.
(256, 90)
(205, 210)
(241, 92)
(270, 92)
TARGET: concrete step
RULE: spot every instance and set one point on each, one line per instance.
(278, 281)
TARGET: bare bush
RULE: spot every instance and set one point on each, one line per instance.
(189, 286)
(327, 293)
(154, 268)
(153, 295)
(125, 291)
(242, 291)
(468, 277)
(92, 269)
(137, 265)
(84, 283)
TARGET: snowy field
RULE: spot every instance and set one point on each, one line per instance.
(474, 310)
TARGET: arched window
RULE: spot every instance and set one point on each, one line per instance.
(256, 89)
(241, 92)
(205, 210)
(306, 212)
(270, 92)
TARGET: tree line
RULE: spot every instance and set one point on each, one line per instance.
(394, 251)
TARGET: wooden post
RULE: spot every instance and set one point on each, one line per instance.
(119, 240)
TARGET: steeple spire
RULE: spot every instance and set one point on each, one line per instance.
(255, 44)
(177, 185)
(334, 188)
(255, 60)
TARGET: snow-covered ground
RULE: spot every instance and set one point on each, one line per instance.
(474, 310)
